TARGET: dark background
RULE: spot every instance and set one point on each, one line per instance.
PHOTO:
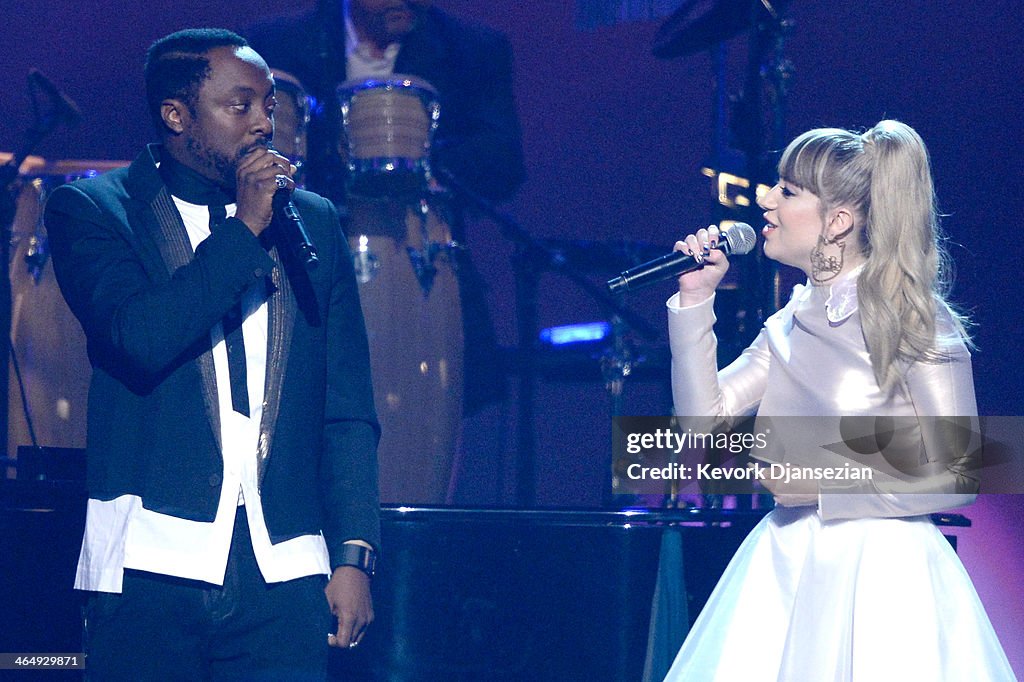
(614, 141)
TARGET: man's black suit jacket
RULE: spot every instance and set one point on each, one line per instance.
(147, 304)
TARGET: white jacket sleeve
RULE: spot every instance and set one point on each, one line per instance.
(699, 390)
(943, 476)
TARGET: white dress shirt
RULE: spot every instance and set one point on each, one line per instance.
(121, 534)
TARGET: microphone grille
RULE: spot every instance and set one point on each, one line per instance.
(741, 238)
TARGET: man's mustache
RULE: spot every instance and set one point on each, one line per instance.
(261, 143)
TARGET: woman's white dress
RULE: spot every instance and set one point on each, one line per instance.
(863, 587)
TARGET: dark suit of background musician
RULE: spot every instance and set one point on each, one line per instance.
(478, 135)
(478, 138)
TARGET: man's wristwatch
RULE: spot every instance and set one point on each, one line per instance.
(363, 558)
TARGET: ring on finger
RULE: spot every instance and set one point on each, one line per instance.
(281, 181)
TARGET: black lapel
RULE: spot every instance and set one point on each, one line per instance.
(158, 221)
(280, 324)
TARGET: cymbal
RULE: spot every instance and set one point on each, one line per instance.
(681, 34)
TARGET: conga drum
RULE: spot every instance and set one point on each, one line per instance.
(388, 126)
(49, 370)
(404, 258)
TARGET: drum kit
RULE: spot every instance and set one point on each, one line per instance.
(403, 255)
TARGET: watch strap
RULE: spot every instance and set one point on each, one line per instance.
(363, 558)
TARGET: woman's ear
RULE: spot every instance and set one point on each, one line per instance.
(840, 225)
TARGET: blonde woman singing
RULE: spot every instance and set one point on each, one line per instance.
(843, 580)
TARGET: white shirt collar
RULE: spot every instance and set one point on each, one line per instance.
(362, 49)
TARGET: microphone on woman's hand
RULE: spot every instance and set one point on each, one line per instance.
(737, 239)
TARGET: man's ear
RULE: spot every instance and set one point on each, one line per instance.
(174, 114)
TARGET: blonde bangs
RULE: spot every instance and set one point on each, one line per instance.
(805, 161)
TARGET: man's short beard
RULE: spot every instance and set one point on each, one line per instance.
(225, 169)
(220, 166)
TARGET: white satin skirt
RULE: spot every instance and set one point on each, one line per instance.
(864, 600)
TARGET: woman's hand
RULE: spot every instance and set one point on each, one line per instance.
(698, 286)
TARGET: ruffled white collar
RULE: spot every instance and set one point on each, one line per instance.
(842, 297)
(841, 301)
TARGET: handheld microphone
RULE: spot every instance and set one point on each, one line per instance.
(294, 229)
(737, 239)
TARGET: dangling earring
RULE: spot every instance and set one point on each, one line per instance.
(827, 258)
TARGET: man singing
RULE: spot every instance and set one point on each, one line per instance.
(231, 428)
